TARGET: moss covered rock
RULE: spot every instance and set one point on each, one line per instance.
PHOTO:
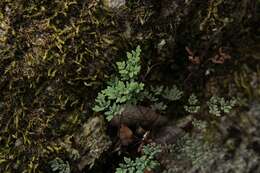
(55, 56)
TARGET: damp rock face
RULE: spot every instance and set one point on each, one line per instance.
(93, 141)
(85, 146)
(192, 154)
(232, 146)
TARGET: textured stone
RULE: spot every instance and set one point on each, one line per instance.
(114, 3)
(93, 141)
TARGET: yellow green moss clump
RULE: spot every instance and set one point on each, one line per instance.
(54, 55)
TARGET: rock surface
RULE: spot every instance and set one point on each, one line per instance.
(114, 4)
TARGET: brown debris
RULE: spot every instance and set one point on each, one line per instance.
(126, 135)
(168, 135)
(146, 171)
(220, 57)
(139, 115)
(192, 58)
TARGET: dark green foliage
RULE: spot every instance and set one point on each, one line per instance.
(193, 104)
(140, 164)
(217, 105)
(121, 90)
(58, 165)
